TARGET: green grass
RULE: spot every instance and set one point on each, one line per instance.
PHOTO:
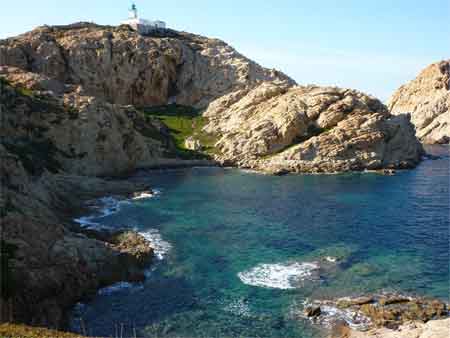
(183, 122)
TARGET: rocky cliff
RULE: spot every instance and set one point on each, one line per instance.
(120, 66)
(67, 106)
(427, 99)
(50, 136)
(279, 128)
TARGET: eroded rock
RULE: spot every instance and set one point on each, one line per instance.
(427, 99)
(282, 129)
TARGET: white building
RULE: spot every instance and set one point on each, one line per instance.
(141, 25)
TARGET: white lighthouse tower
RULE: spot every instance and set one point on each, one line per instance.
(140, 25)
(133, 14)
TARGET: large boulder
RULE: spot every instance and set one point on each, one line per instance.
(427, 99)
(279, 128)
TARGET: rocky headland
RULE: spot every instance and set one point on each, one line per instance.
(282, 129)
(82, 103)
(427, 99)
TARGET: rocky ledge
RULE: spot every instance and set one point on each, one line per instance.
(281, 129)
(427, 99)
(381, 315)
(431, 329)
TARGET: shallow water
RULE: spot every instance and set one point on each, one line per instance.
(240, 252)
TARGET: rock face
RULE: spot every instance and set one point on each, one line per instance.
(120, 66)
(47, 264)
(80, 134)
(279, 128)
(427, 99)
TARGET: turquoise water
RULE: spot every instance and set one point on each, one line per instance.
(386, 232)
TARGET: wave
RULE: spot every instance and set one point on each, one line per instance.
(107, 206)
(279, 276)
(102, 207)
(160, 246)
(330, 315)
(118, 287)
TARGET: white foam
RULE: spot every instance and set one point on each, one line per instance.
(102, 208)
(278, 276)
(238, 307)
(160, 246)
(117, 287)
(331, 259)
(143, 195)
(330, 315)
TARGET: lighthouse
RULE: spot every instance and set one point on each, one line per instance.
(140, 25)
(133, 14)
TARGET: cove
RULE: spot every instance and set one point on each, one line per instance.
(240, 252)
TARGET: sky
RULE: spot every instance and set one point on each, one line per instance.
(371, 45)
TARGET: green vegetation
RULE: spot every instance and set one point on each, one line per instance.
(184, 122)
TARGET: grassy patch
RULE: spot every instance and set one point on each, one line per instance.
(184, 122)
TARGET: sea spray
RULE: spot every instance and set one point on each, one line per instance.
(279, 276)
(160, 246)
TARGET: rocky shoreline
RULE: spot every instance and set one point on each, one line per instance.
(378, 315)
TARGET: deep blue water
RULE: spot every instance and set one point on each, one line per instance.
(388, 233)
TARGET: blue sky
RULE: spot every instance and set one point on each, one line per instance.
(371, 45)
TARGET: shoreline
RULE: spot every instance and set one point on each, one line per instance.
(74, 191)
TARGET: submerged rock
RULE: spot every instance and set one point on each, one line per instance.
(427, 99)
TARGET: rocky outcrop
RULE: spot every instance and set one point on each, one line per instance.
(47, 264)
(427, 99)
(381, 316)
(48, 139)
(431, 329)
(279, 129)
(118, 65)
(78, 134)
